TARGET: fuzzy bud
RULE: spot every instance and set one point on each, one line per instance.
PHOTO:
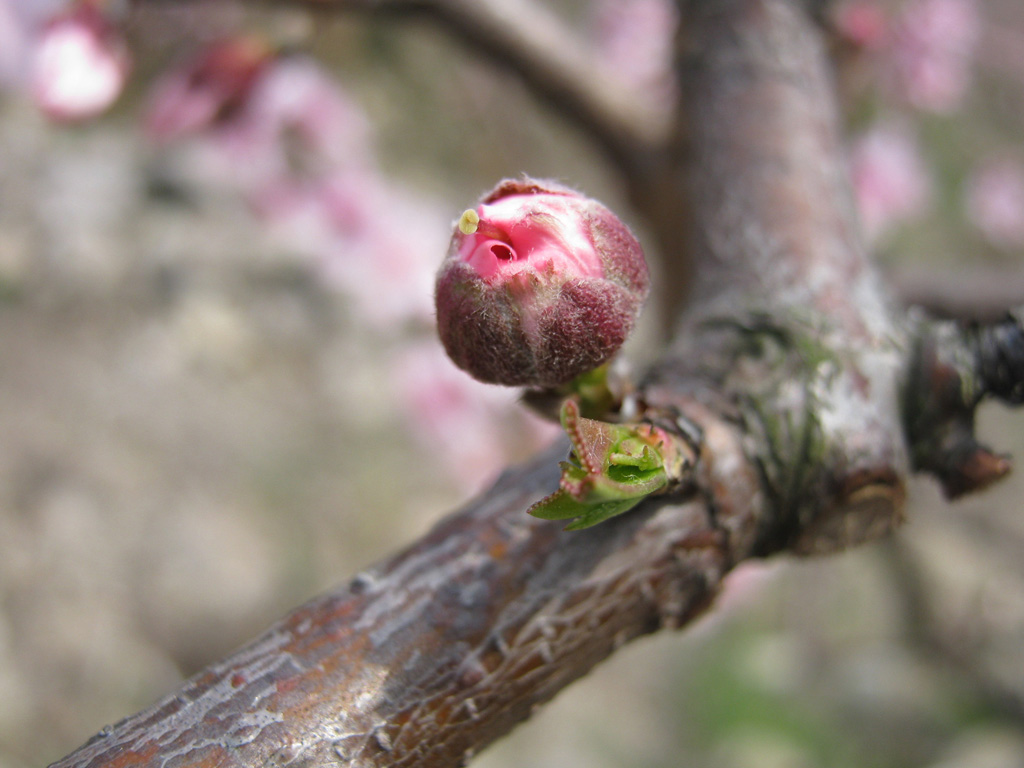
(540, 284)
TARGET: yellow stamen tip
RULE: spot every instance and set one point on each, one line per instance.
(468, 222)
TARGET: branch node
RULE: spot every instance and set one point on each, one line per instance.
(999, 351)
(954, 368)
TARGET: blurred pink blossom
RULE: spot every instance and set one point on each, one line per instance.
(746, 583)
(367, 237)
(862, 22)
(79, 64)
(21, 21)
(931, 52)
(288, 123)
(208, 88)
(310, 170)
(889, 178)
(464, 424)
(13, 45)
(342, 198)
(307, 117)
(386, 248)
(634, 40)
(294, 144)
(995, 202)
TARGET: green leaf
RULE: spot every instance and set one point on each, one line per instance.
(637, 480)
(612, 468)
(561, 506)
(558, 506)
(598, 513)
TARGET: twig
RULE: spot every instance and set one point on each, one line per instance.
(980, 293)
(431, 655)
(550, 58)
(924, 634)
(954, 367)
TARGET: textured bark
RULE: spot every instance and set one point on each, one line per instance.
(433, 654)
(788, 368)
(955, 366)
(782, 267)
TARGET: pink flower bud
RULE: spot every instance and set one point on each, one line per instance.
(80, 66)
(863, 23)
(540, 284)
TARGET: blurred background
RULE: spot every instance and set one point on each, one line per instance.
(220, 391)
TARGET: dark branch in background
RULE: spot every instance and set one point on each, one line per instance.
(927, 637)
(789, 367)
(979, 293)
(547, 55)
(956, 366)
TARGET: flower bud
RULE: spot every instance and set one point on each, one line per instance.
(540, 284)
(80, 65)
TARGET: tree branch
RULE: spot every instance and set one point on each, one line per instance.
(981, 293)
(550, 58)
(434, 653)
(955, 366)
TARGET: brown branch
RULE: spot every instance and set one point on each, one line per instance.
(431, 655)
(788, 367)
(980, 293)
(955, 366)
(925, 635)
(526, 38)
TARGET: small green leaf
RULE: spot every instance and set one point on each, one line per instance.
(558, 506)
(598, 513)
(638, 480)
(612, 468)
(561, 506)
(633, 452)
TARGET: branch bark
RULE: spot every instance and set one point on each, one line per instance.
(433, 654)
(954, 367)
(524, 37)
(978, 292)
(789, 367)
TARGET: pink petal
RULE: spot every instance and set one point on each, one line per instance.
(80, 66)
